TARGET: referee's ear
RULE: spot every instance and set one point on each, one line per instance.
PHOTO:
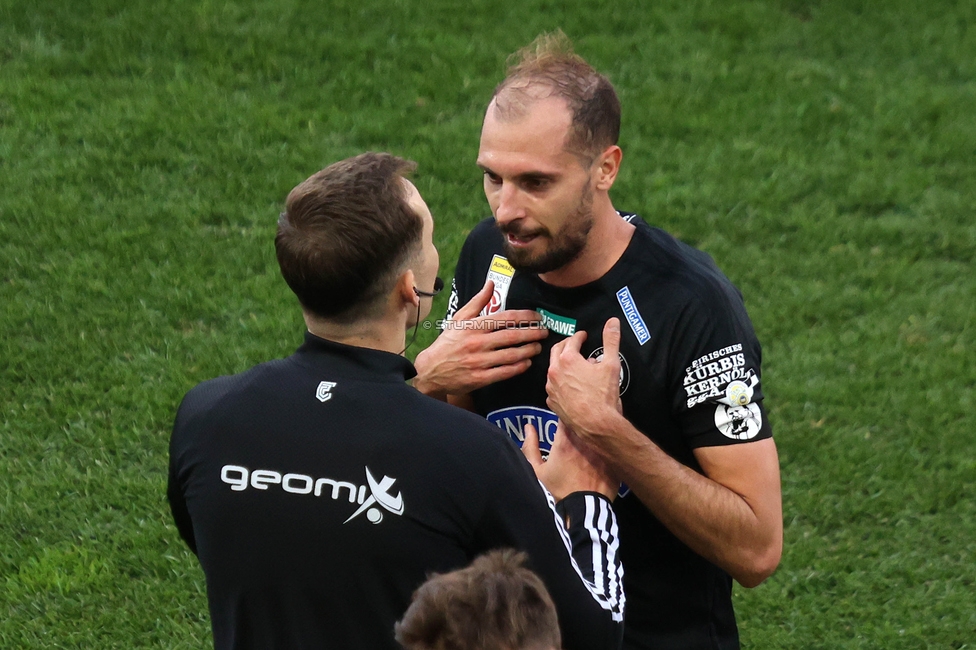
(404, 290)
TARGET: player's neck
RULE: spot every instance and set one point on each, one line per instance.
(605, 244)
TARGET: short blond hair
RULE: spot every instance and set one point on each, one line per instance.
(548, 67)
(494, 603)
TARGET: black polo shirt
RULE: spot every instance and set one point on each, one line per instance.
(320, 490)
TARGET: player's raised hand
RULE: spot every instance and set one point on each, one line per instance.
(530, 449)
(586, 395)
(474, 351)
(571, 466)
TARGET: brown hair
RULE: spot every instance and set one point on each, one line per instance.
(495, 603)
(548, 67)
(346, 233)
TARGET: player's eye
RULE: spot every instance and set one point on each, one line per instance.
(536, 184)
(493, 178)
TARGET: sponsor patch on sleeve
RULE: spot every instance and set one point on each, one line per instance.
(722, 377)
(738, 422)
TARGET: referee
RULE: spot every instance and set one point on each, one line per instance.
(320, 490)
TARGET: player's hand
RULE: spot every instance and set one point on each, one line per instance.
(474, 351)
(571, 467)
(584, 394)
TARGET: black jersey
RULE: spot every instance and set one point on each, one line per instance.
(689, 378)
(319, 491)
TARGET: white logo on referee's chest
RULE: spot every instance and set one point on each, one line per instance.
(322, 393)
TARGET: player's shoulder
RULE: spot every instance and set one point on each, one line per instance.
(446, 419)
(689, 273)
(485, 230)
(480, 249)
(483, 242)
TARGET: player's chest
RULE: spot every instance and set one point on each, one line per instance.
(644, 335)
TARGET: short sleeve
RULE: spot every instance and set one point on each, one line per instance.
(715, 368)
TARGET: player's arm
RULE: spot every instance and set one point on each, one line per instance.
(474, 351)
(587, 526)
(731, 515)
(581, 490)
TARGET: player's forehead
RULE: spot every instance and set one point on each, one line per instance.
(527, 138)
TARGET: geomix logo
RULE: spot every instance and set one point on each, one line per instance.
(240, 478)
(378, 494)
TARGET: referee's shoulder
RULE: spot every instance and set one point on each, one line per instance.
(445, 421)
(209, 396)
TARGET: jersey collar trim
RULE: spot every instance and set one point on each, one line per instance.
(356, 362)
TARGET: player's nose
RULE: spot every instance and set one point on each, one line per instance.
(509, 207)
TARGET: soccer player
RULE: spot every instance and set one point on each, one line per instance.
(320, 490)
(700, 499)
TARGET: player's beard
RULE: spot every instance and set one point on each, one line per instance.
(564, 247)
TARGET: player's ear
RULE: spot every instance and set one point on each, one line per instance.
(606, 167)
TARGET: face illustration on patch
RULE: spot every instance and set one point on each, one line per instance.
(738, 422)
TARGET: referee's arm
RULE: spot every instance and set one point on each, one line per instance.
(573, 547)
(474, 351)
(177, 505)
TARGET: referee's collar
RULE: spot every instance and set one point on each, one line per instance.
(356, 362)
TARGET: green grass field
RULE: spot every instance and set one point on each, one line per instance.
(824, 153)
